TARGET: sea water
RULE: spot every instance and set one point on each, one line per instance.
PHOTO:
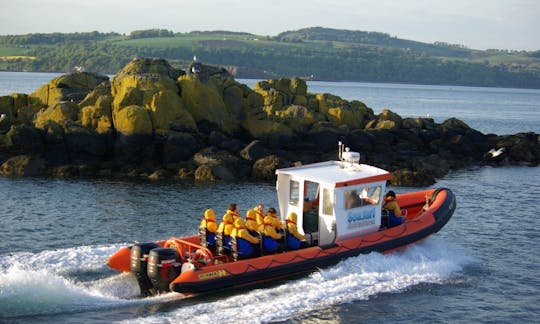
(481, 267)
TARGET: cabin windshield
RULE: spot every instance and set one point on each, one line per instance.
(366, 196)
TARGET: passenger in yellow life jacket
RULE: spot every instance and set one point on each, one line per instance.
(294, 238)
(259, 210)
(244, 240)
(393, 210)
(227, 225)
(209, 224)
(233, 211)
(276, 221)
(251, 221)
(270, 236)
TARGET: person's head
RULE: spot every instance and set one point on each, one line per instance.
(209, 214)
(233, 207)
(390, 195)
(260, 208)
(272, 210)
(251, 214)
(293, 217)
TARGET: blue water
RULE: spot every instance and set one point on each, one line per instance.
(481, 267)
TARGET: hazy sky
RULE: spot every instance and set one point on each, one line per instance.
(480, 24)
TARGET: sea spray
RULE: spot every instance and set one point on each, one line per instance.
(57, 281)
(433, 261)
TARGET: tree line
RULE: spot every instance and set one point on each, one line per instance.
(355, 61)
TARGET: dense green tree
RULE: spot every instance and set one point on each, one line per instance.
(327, 54)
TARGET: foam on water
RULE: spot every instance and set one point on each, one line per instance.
(48, 283)
(358, 278)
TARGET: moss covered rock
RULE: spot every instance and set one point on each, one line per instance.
(96, 111)
(149, 67)
(17, 108)
(178, 146)
(7, 106)
(99, 116)
(233, 98)
(204, 100)
(168, 112)
(151, 84)
(133, 120)
(60, 113)
(23, 165)
(68, 87)
(25, 139)
(204, 173)
(265, 168)
(271, 133)
(411, 178)
(298, 118)
(298, 86)
(418, 123)
(300, 100)
(255, 99)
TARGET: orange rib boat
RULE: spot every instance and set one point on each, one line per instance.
(335, 228)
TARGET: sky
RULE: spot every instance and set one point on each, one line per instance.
(476, 24)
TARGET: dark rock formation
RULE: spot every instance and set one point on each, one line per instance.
(157, 122)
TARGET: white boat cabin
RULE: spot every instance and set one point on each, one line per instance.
(334, 200)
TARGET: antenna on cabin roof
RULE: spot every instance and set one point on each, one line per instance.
(346, 155)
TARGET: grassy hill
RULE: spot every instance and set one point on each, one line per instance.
(321, 53)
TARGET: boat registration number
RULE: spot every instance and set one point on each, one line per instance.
(213, 274)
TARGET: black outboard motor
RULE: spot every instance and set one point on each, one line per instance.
(164, 265)
(139, 262)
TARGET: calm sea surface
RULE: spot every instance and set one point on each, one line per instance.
(481, 267)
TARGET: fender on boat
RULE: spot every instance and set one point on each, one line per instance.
(447, 208)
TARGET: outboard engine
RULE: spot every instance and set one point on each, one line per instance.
(139, 262)
(164, 265)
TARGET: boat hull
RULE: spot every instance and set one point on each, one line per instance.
(271, 267)
(422, 221)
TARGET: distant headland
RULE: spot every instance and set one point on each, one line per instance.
(154, 121)
(316, 53)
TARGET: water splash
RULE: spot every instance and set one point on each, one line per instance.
(357, 278)
(49, 282)
(54, 282)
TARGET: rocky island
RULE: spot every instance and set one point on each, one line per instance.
(154, 121)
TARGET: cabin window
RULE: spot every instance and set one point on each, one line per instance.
(294, 193)
(365, 197)
(328, 202)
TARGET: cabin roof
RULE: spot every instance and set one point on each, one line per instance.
(338, 173)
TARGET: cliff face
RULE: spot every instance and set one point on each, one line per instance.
(153, 120)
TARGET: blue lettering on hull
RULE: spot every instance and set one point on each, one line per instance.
(361, 217)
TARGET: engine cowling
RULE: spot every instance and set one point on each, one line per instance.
(164, 265)
(139, 265)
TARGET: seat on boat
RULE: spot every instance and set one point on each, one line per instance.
(223, 243)
(395, 220)
(389, 219)
(269, 245)
(292, 243)
(243, 249)
(208, 239)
